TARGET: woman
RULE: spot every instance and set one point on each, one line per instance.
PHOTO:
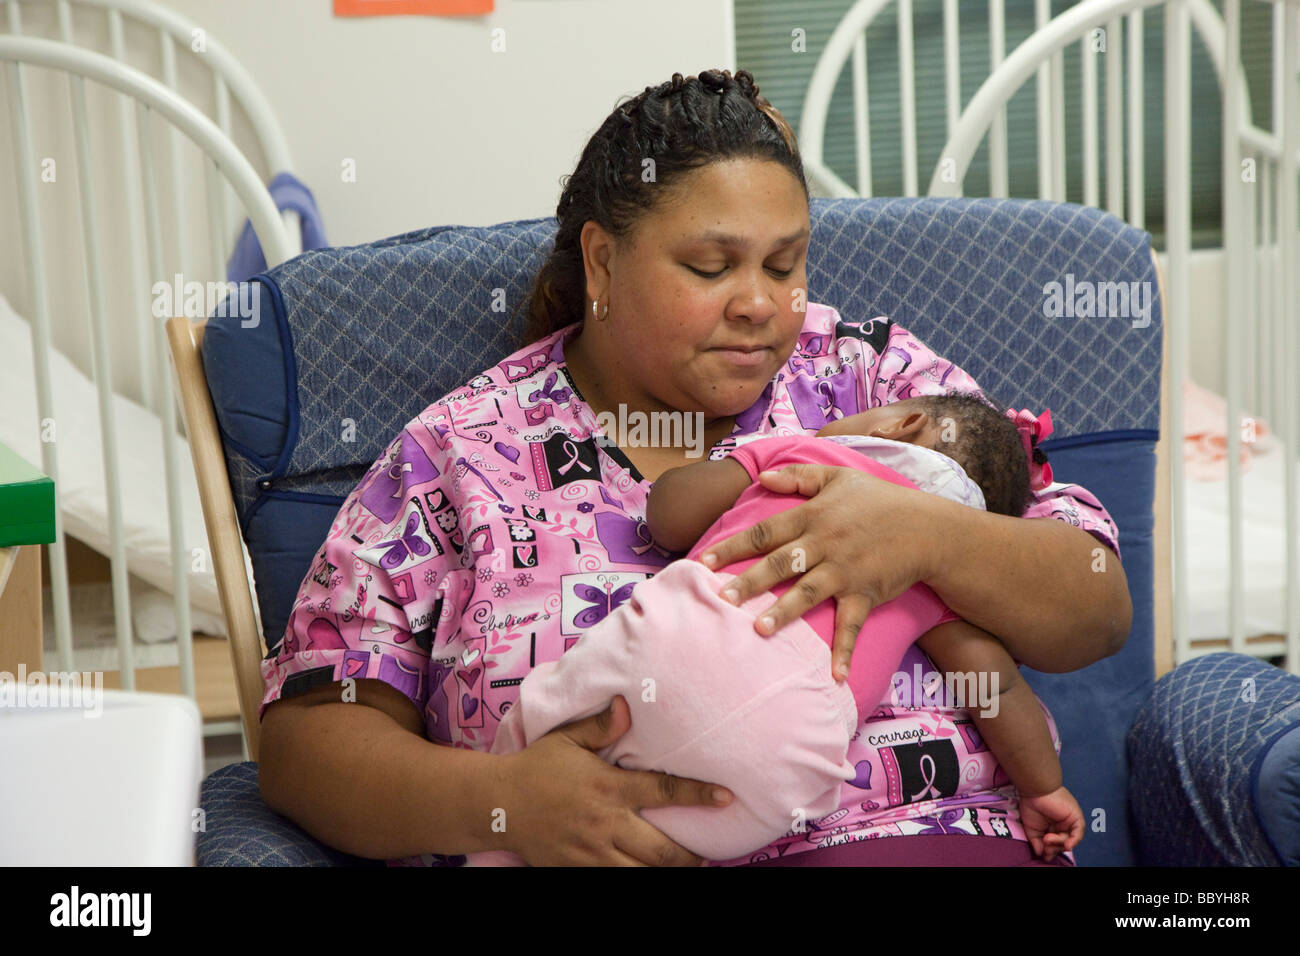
(505, 520)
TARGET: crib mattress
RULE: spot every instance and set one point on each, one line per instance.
(1263, 550)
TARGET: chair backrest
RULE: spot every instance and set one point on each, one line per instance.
(354, 342)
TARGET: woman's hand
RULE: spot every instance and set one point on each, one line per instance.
(570, 808)
(859, 539)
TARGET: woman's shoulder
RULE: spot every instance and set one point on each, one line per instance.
(511, 394)
(825, 332)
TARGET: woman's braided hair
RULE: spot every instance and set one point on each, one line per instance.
(681, 125)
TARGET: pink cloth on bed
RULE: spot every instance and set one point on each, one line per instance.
(1205, 434)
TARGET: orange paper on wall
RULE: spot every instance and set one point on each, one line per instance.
(392, 8)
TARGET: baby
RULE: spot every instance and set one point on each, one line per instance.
(713, 700)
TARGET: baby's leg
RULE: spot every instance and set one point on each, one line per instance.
(710, 699)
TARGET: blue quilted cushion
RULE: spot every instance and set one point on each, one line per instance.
(1214, 759)
(241, 830)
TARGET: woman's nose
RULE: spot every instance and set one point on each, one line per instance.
(756, 305)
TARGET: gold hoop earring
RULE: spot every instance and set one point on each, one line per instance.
(601, 316)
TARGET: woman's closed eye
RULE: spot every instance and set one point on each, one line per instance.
(779, 273)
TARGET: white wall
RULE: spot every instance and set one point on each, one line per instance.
(442, 127)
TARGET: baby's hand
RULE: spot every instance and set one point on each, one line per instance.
(1052, 821)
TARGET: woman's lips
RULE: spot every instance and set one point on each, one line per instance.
(744, 357)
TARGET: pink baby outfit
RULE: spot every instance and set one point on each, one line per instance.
(711, 699)
(496, 529)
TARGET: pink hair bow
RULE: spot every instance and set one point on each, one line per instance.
(1032, 432)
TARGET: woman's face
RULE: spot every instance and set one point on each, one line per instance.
(706, 296)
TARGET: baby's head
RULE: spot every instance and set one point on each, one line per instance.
(970, 430)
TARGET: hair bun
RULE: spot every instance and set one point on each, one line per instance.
(745, 80)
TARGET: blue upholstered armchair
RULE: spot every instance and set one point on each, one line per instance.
(1180, 772)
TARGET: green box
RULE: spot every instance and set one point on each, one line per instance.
(26, 502)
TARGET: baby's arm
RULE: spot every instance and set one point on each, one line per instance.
(685, 501)
(848, 425)
(1013, 725)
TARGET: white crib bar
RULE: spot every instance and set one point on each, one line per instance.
(998, 177)
(216, 242)
(1091, 175)
(1043, 13)
(907, 95)
(1115, 118)
(1238, 299)
(101, 365)
(952, 63)
(144, 332)
(222, 99)
(1136, 143)
(180, 558)
(172, 462)
(34, 243)
(1255, 277)
(861, 115)
(1058, 127)
(1289, 235)
(1269, 349)
(1178, 246)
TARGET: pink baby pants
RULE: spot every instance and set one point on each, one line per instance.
(711, 699)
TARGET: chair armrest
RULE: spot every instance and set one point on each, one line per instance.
(241, 830)
(1214, 765)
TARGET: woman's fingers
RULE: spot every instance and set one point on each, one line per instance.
(646, 788)
(805, 593)
(759, 539)
(641, 789)
(806, 480)
(600, 730)
(850, 614)
(647, 846)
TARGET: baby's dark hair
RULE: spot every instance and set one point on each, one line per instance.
(976, 433)
(682, 125)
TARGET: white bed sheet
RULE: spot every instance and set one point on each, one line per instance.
(1263, 549)
(81, 487)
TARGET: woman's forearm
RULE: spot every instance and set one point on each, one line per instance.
(354, 778)
(1054, 595)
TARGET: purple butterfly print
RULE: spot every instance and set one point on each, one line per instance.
(385, 494)
(604, 602)
(548, 392)
(944, 823)
(823, 399)
(410, 543)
